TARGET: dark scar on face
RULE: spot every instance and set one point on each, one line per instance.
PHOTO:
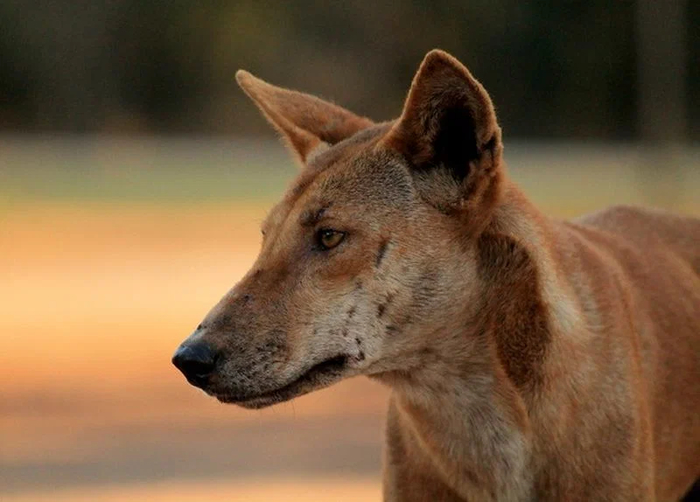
(381, 308)
(382, 252)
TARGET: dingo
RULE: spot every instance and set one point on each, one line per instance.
(529, 358)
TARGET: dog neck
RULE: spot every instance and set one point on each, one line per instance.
(480, 379)
(466, 424)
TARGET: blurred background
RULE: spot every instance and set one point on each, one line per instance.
(134, 175)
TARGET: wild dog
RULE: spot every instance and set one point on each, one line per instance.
(529, 358)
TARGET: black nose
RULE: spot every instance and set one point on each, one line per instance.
(196, 361)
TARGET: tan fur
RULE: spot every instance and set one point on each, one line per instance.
(529, 358)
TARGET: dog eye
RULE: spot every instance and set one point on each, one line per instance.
(328, 238)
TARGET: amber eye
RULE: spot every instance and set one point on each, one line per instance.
(328, 238)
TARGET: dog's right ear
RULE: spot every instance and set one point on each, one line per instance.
(305, 121)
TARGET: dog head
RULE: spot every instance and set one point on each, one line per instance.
(371, 250)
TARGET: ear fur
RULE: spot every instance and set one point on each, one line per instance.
(305, 121)
(449, 135)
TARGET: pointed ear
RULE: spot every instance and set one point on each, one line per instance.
(305, 121)
(448, 129)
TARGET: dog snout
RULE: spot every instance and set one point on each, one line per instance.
(196, 361)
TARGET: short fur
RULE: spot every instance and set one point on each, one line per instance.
(529, 358)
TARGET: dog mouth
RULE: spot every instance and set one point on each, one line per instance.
(318, 376)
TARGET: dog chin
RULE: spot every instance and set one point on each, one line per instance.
(254, 403)
(317, 377)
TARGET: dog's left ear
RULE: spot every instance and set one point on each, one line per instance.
(449, 135)
(305, 121)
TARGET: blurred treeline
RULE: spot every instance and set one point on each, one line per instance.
(556, 69)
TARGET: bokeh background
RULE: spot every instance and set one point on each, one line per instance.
(134, 175)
